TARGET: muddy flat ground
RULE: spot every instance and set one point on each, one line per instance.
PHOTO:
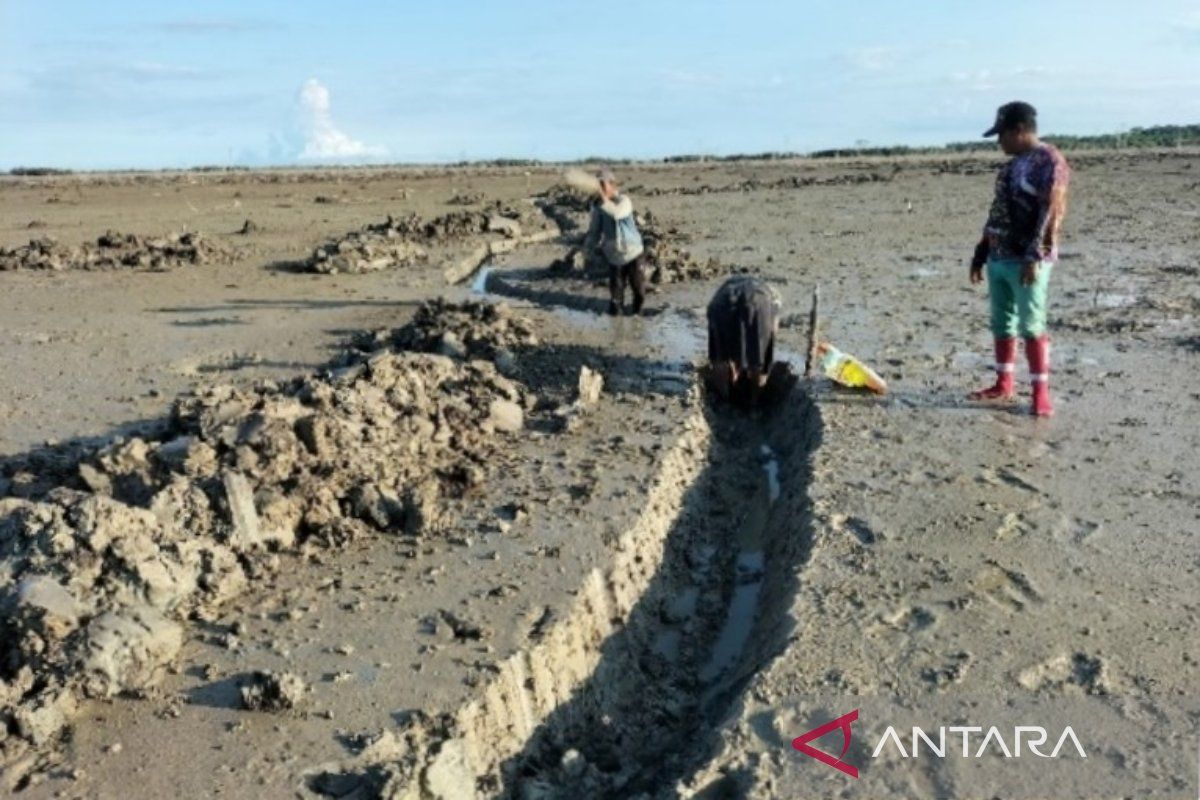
(659, 598)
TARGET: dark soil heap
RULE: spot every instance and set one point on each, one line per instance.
(118, 251)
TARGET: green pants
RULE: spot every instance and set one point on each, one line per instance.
(1017, 308)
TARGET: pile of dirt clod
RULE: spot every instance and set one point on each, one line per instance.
(566, 206)
(118, 250)
(98, 569)
(469, 330)
(402, 242)
(668, 261)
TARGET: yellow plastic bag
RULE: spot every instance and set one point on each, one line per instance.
(846, 370)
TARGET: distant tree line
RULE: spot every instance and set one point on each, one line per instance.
(1157, 136)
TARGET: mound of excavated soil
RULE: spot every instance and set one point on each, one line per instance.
(100, 565)
(567, 206)
(464, 330)
(669, 262)
(117, 251)
(402, 242)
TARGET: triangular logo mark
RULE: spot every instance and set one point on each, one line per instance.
(843, 723)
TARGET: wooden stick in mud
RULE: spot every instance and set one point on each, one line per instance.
(811, 359)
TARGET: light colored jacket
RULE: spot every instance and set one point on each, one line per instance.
(614, 228)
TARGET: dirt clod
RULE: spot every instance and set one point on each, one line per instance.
(273, 691)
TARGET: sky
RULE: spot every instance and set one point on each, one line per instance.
(164, 84)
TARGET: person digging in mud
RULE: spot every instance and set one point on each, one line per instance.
(743, 319)
(1019, 248)
(614, 230)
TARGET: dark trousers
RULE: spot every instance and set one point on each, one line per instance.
(633, 273)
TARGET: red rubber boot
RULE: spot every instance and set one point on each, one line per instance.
(1006, 360)
(1038, 352)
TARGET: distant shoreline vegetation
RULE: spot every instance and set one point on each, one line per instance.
(1161, 136)
(1158, 136)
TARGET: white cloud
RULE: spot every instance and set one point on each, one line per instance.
(323, 141)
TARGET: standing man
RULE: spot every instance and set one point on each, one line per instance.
(1019, 248)
(614, 229)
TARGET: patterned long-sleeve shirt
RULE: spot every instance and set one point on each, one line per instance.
(1029, 206)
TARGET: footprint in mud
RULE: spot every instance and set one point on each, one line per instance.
(856, 527)
(951, 671)
(906, 620)
(1076, 530)
(1011, 527)
(1078, 672)
(1008, 589)
(1007, 475)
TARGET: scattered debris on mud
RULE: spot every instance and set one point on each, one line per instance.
(118, 251)
(104, 557)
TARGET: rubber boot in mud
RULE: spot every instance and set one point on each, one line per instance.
(1037, 350)
(1006, 357)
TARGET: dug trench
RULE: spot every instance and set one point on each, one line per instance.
(711, 615)
(619, 696)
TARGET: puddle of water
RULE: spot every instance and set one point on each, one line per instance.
(743, 607)
(672, 334)
(771, 466)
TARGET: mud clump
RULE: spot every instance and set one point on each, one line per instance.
(375, 247)
(465, 199)
(105, 558)
(404, 241)
(668, 261)
(272, 691)
(566, 206)
(118, 251)
(470, 330)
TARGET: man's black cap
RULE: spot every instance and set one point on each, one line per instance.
(1012, 115)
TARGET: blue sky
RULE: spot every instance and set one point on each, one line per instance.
(172, 84)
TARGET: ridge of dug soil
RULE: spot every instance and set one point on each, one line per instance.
(615, 698)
